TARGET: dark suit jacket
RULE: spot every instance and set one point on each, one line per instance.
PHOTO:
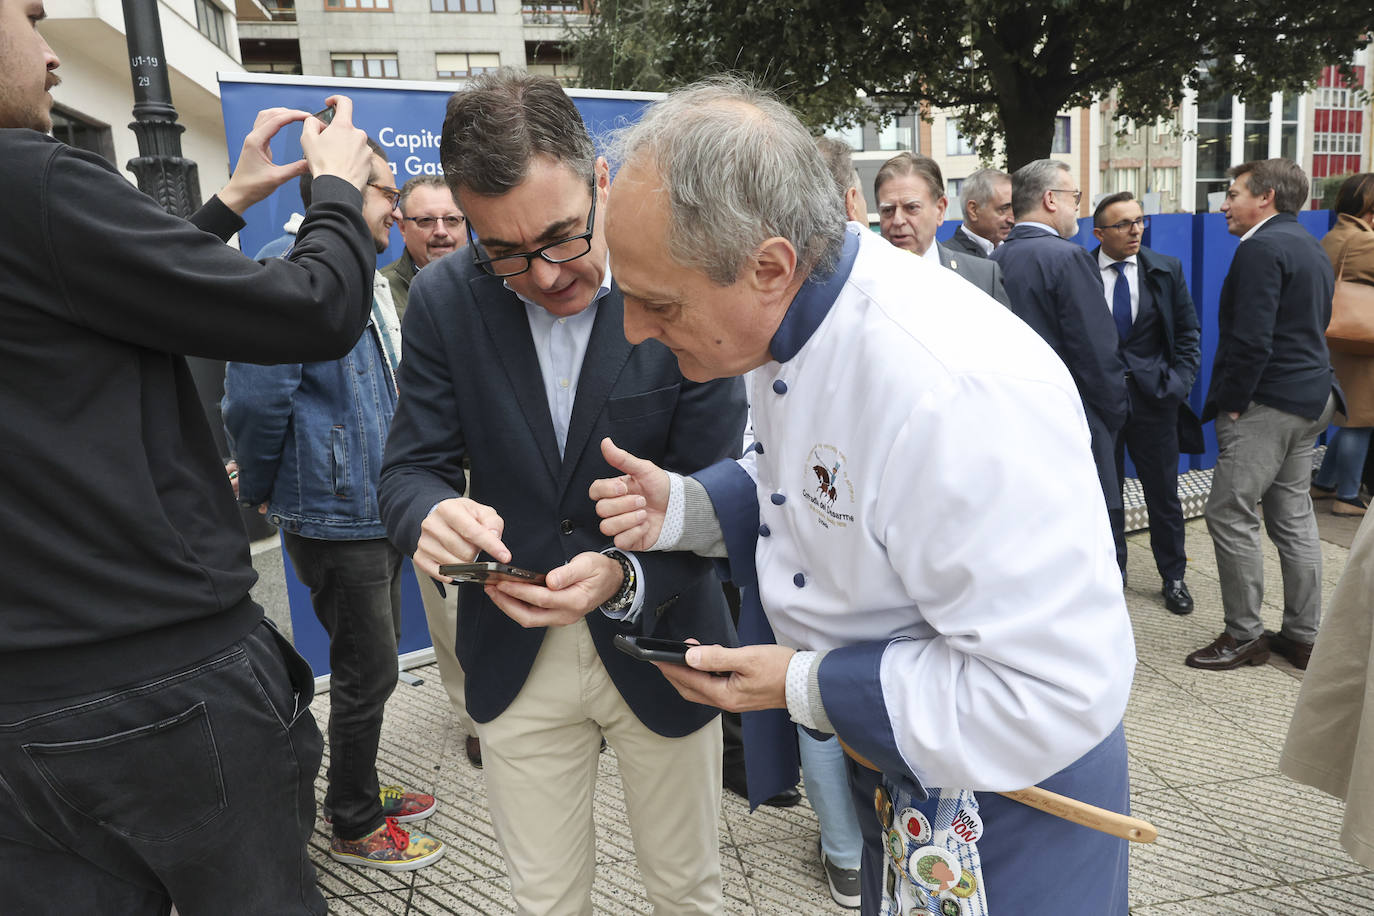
(1163, 275)
(979, 271)
(1055, 287)
(962, 244)
(471, 387)
(1271, 322)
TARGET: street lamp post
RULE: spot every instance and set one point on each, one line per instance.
(159, 168)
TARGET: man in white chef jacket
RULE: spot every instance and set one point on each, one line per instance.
(946, 601)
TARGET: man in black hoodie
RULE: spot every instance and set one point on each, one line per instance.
(156, 744)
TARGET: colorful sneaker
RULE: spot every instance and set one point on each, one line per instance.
(406, 806)
(399, 804)
(389, 848)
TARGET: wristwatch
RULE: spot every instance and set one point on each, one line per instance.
(620, 602)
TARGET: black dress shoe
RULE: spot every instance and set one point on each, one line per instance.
(1176, 597)
(787, 798)
(473, 747)
(1298, 653)
(1225, 653)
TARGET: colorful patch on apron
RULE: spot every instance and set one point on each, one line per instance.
(931, 852)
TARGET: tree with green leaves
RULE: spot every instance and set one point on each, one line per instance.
(1008, 67)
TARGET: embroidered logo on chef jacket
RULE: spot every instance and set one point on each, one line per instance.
(931, 853)
(829, 493)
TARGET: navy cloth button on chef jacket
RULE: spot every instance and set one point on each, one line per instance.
(764, 531)
(780, 386)
(799, 580)
(778, 499)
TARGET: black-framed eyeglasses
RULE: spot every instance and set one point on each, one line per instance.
(427, 223)
(1077, 195)
(1140, 222)
(393, 195)
(560, 252)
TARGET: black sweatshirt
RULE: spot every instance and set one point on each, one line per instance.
(122, 554)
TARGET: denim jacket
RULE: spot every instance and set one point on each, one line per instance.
(308, 437)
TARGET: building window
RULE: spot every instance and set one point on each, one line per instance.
(373, 66)
(853, 137)
(462, 6)
(210, 23)
(78, 132)
(953, 187)
(461, 66)
(894, 135)
(956, 144)
(351, 6)
(563, 72)
(1061, 136)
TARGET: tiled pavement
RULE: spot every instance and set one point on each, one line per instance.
(1236, 837)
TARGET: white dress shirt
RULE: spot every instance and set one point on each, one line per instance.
(977, 239)
(1109, 276)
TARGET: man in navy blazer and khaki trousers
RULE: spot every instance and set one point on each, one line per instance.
(516, 359)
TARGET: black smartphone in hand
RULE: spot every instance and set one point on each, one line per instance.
(649, 649)
(490, 572)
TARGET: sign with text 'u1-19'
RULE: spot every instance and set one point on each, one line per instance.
(404, 117)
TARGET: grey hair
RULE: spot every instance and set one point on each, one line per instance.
(840, 160)
(980, 187)
(499, 122)
(420, 181)
(739, 168)
(1282, 176)
(1030, 182)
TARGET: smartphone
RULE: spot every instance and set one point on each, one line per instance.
(490, 572)
(649, 649)
(325, 114)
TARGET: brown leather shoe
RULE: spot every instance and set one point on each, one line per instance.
(473, 747)
(1225, 653)
(1298, 653)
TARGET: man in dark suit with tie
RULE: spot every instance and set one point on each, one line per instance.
(1159, 332)
(985, 204)
(910, 191)
(1271, 396)
(515, 358)
(1055, 288)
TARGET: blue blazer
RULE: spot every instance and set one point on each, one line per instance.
(1271, 324)
(1055, 287)
(471, 390)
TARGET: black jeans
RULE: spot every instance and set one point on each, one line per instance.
(355, 587)
(195, 787)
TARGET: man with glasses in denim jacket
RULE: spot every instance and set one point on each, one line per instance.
(308, 438)
(1054, 287)
(516, 363)
(431, 226)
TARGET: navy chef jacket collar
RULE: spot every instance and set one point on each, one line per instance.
(812, 303)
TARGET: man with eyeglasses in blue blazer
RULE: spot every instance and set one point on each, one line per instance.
(515, 360)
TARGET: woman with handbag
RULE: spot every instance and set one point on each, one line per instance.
(1350, 245)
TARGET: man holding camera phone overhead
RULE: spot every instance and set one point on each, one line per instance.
(156, 743)
(514, 358)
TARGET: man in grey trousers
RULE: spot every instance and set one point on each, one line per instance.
(1271, 395)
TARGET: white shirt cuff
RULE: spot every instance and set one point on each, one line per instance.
(671, 532)
(804, 692)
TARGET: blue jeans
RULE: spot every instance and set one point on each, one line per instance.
(195, 787)
(827, 788)
(355, 587)
(1343, 464)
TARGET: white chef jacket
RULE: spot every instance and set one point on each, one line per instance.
(929, 510)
